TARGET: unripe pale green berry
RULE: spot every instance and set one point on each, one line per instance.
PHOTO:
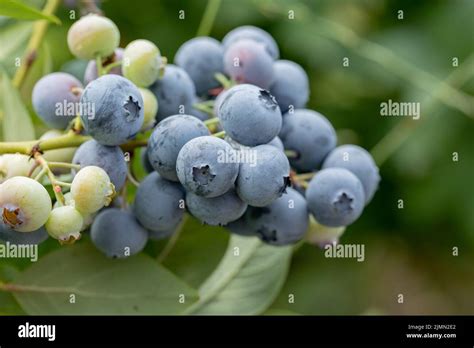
(24, 204)
(91, 190)
(150, 105)
(88, 218)
(60, 155)
(321, 235)
(14, 165)
(141, 62)
(64, 224)
(93, 35)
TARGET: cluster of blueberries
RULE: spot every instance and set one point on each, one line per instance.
(231, 141)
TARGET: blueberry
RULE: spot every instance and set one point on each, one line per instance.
(218, 210)
(310, 135)
(142, 62)
(158, 203)
(283, 222)
(263, 180)
(253, 33)
(109, 158)
(276, 142)
(90, 73)
(335, 197)
(117, 107)
(9, 235)
(250, 115)
(145, 161)
(202, 167)
(53, 96)
(201, 115)
(175, 92)
(358, 161)
(150, 108)
(93, 35)
(158, 235)
(246, 61)
(290, 85)
(168, 138)
(202, 58)
(25, 204)
(65, 224)
(117, 234)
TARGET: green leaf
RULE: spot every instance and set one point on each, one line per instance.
(8, 304)
(136, 285)
(14, 38)
(17, 124)
(18, 10)
(246, 281)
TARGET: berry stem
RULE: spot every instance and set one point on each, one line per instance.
(40, 175)
(110, 66)
(212, 121)
(208, 17)
(204, 108)
(219, 134)
(304, 176)
(172, 241)
(55, 183)
(291, 154)
(132, 145)
(100, 68)
(131, 177)
(39, 30)
(64, 165)
(223, 80)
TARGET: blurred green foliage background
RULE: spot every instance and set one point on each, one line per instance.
(409, 251)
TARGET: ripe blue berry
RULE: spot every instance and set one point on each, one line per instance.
(7, 234)
(252, 33)
(159, 203)
(91, 70)
(117, 110)
(168, 138)
(117, 234)
(202, 167)
(218, 210)
(24, 204)
(359, 162)
(109, 158)
(283, 222)
(145, 161)
(276, 142)
(262, 182)
(310, 135)
(290, 85)
(246, 61)
(335, 197)
(175, 92)
(201, 57)
(53, 98)
(158, 235)
(250, 115)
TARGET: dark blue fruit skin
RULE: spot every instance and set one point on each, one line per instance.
(158, 203)
(218, 210)
(283, 222)
(168, 138)
(261, 184)
(246, 61)
(276, 142)
(90, 72)
(114, 230)
(253, 33)
(202, 58)
(200, 167)
(311, 135)
(250, 115)
(335, 197)
(52, 89)
(174, 91)
(358, 161)
(118, 110)
(109, 158)
(158, 235)
(14, 237)
(145, 161)
(290, 85)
